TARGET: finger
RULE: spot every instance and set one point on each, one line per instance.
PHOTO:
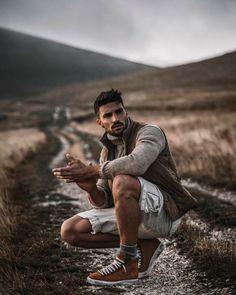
(61, 177)
(57, 175)
(65, 177)
(62, 169)
(69, 181)
(57, 169)
(63, 173)
(66, 180)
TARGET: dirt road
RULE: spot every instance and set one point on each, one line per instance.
(51, 267)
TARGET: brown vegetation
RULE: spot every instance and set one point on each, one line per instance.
(203, 144)
(211, 251)
(17, 146)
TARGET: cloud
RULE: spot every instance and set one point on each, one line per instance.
(156, 32)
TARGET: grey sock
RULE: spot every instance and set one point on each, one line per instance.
(130, 251)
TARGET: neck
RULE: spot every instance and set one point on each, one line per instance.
(118, 139)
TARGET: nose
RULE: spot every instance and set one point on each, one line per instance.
(114, 117)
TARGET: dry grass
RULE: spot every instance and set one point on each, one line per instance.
(203, 144)
(16, 144)
(214, 252)
(4, 206)
(15, 147)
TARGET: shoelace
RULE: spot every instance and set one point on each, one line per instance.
(114, 266)
(139, 255)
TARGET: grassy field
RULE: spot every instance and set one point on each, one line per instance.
(196, 107)
(203, 144)
(190, 136)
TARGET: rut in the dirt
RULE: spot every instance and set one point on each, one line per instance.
(185, 268)
(45, 264)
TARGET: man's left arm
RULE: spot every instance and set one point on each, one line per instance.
(149, 143)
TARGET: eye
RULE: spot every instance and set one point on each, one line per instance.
(107, 115)
(119, 111)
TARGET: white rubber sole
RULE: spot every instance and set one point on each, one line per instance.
(156, 254)
(105, 283)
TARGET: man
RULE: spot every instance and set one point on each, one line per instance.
(135, 191)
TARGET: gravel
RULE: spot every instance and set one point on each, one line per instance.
(172, 274)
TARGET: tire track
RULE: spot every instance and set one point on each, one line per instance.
(174, 273)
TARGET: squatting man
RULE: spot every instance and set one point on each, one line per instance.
(135, 192)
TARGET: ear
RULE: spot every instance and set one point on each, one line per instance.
(99, 122)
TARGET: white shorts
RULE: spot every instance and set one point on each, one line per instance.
(155, 222)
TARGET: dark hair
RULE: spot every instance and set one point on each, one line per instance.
(106, 97)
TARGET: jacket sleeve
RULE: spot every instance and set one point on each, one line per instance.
(150, 142)
(102, 185)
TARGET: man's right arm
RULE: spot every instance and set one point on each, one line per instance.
(98, 189)
(100, 195)
(97, 197)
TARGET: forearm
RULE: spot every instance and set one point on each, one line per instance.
(150, 142)
(96, 197)
(129, 165)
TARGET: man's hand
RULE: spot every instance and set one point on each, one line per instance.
(76, 171)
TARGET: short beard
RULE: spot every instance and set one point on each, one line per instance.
(119, 134)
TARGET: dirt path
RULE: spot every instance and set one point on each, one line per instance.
(52, 268)
(174, 271)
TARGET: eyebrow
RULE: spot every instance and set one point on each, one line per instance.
(109, 113)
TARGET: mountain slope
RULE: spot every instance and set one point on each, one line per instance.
(206, 84)
(30, 65)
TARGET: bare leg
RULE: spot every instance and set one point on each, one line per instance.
(126, 192)
(77, 232)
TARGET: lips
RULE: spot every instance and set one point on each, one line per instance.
(117, 125)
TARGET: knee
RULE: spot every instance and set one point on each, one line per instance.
(67, 233)
(125, 187)
(120, 184)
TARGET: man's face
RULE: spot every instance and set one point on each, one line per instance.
(113, 118)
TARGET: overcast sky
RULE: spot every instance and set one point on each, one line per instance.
(156, 32)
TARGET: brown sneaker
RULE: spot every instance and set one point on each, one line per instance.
(148, 252)
(119, 272)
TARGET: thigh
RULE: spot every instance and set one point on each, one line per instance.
(78, 223)
(101, 220)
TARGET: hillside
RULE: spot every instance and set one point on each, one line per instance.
(202, 85)
(31, 65)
